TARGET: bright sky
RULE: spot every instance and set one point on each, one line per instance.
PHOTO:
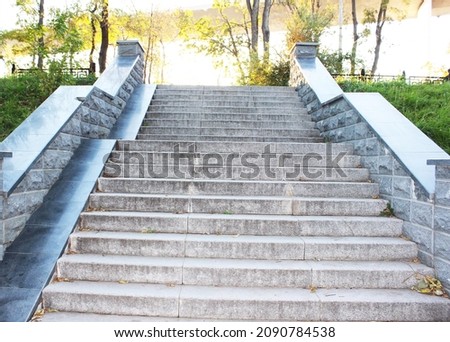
(9, 10)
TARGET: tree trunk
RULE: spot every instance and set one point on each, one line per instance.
(381, 19)
(104, 26)
(41, 44)
(355, 39)
(253, 10)
(266, 28)
(93, 33)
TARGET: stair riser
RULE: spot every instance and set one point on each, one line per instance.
(228, 138)
(247, 304)
(316, 150)
(234, 226)
(253, 98)
(229, 124)
(184, 115)
(226, 101)
(235, 173)
(228, 110)
(242, 250)
(276, 160)
(206, 275)
(230, 132)
(308, 310)
(113, 304)
(146, 186)
(303, 207)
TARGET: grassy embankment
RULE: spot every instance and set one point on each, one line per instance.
(20, 96)
(426, 105)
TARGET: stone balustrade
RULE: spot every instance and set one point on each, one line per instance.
(396, 153)
(33, 157)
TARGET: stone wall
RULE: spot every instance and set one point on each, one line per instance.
(426, 215)
(93, 119)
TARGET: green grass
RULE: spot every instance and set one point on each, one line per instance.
(20, 96)
(425, 105)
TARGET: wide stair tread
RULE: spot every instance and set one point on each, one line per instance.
(262, 304)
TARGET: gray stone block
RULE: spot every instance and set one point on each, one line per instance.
(38, 180)
(13, 226)
(385, 165)
(420, 194)
(370, 163)
(442, 245)
(442, 194)
(442, 267)
(426, 258)
(402, 187)
(422, 213)
(54, 159)
(362, 131)
(442, 218)
(367, 147)
(423, 236)
(402, 209)
(23, 203)
(399, 170)
(65, 142)
(385, 183)
(351, 117)
(442, 172)
(73, 126)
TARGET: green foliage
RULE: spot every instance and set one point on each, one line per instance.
(426, 105)
(269, 74)
(307, 22)
(334, 61)
(20, 96)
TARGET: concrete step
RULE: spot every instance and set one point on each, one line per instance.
(219, 101)
(243, 246)
(227, 97)
(301, 116)
(236, 159)
(218, 204)
(315, 149)
(240, 124)
(261, 304)
(232, 224)
(241, 272)
(240, 90)
(230, 132)
(243, 138)
(217, 109)
(251, 172)
(237, 188)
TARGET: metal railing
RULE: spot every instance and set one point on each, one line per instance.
(75, 72)
(389, 78)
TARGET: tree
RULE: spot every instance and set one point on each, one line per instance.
(104, 28)
(355, 38)
(41, 42)
(92, 21)
(33, 23)
(253, 11)
(308, 20)
(265, 28)
(381, 20)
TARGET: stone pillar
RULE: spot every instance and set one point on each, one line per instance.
(129, 48)
(305, 50)
(2, 199)
(442, 221)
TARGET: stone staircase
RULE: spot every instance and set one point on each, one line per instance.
(230, 206)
